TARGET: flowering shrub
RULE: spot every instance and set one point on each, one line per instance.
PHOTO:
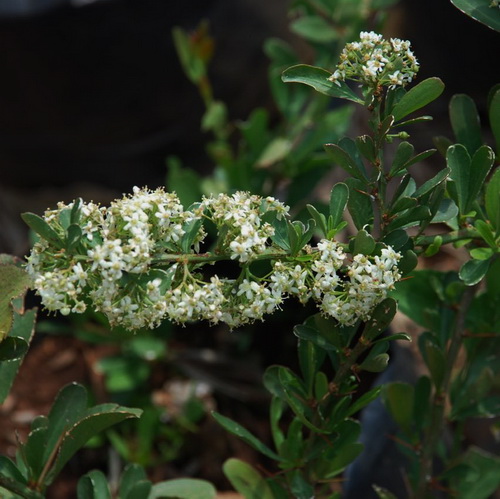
(138, 262)
(149, 257)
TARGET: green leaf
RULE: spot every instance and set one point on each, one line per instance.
(191, 230)
(382, 316)
(338, 203)
(317, 78)
(363, 401)
(246, 480)
(314, 28)
(310, 360)
(18, 489)
(363, 243)
(344, 160)
(432, 183)
(309, 333)
(9, 470)
(481, 164)
(481, 477)
(486, 233)
(383, 493)
(422, 397)
(241, 432)
(277, 150)
(275, 412)
(12, 348)
(183, 181)
(473, 271)
(410, 217)
(93, 485)
(14, 282)
(375, 364)
(318, 218)
(447, 210)
(359, 203)
(465, 122)
(397, 239)
(300, 488)
(182, 488)
(403, 154)
(399, 399)
(90, 423)
(408, 262)
(492, 200)
(459, 161)
(480, 11)
(133, 474)
(192, 64)
(494, 116)
(23, 326)
(42, 228)
(366, 147)
(434, 358)
(74, 234)
(76, 211)
(418, 97)
(67, 409)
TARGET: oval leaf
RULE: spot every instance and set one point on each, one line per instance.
(418, 97)
(317, 78)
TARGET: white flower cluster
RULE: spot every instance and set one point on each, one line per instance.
(375, 61)
(130, 264)
(240, 214)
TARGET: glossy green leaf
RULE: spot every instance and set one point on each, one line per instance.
(73, 236)
(418, 97)
(473, 271)
(403, 154)
(486, 231)
(321, 385)
(375, 364)
(16, 490)
(343, 159)
(397, 239)
(90, 423)
(69, 406)
(12, 348)
(410, 218)
(183, 488)
(42, 228)
(447, 210)
(76, 211)
(93, 485)
(338, 202)
(359, 204)
(481, 164)
(465, 122)
(309, 333)
(382, 316)
(132, 475)
(480, 11)
(459, 161)
(492, 200)
(317, 78)
(432, 183)
(246, 480)
(402, 204)
(318, 218)
(366, 147)
(408, 262)
(363, 243)
(310, 360)
(275, 412)
(241, 432)
(383, 129)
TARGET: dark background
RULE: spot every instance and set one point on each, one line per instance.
(93, 99)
